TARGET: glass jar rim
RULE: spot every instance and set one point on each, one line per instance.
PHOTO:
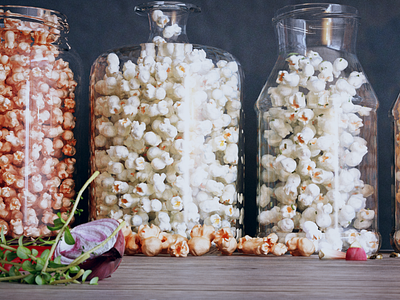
(144, 8)
(314, 11)
(35, 14)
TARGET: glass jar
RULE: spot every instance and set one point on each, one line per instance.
(317, 131)
(166, 130)
(395, 236)
(39, 74)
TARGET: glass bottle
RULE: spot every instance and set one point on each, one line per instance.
(317, 127)
(395, 236)
(39, 76)
(166, 130)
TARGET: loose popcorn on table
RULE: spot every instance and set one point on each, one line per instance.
(37, 106)
(312, 183)
(166, 136)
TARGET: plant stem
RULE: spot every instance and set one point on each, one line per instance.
(8, 247)
(95, 174)
(13, 277)
(5, 262)
(79, 274)
(3, 270)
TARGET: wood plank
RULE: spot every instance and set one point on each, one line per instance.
(234, 277)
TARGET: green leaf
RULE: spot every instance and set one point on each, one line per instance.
(1, 254)
(69, 239)
(39, 280)
(74, 269)
(85, 275)
(94, 281)
(29, 279)
(66, 275)
(23, 252)
(3, 238)
(45, 254)
(58, 223)
(54, 265)
(14, 271)
(20, 240)
(10, 256)
(34, 252)
(46, 276)
(57, 260)
(39, 264)
(27, 266)
(58, 227)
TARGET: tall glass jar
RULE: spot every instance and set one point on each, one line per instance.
(317, 126)
(39, 74)
(166, 130)
(395, 236)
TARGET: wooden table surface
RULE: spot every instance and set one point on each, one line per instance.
(213, 276)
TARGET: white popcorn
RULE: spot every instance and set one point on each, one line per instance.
(284, 198)
(285, 163)
(158, 182)
(280, 127)
(115, 167)
(170, 31)
(231, 154)
(128, 200)
(120, 187)
(214, 187)
(326, 69)
(346, 215)
(356, 79)
(286, 225)
(304, 137)
(288, 211)
(357, 201)
(323, 219)
(175, 204)
(143, 189)
(316, 85)
(314, 58)
(209, 206)
(155, 205)
(117, 153)
(168, 125)
(338, 66)
(270, 216)
(311, 192)
(152, 139)
(265, 196)
(291, 79)
(138, 129)
(313, 233)
(321, 176)
(314, 148)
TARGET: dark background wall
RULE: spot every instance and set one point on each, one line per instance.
(244, 29)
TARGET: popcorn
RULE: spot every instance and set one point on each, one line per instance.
(167, 126)
(171, 31)
(310, 176)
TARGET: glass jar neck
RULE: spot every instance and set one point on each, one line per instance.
(167, 20)
(51, 26)
(300, 27)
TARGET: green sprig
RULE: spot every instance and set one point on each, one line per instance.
(43, 269)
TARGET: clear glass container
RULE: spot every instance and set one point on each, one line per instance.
(166, 130)
(395, 236)
(39, 75)
(317, 133)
